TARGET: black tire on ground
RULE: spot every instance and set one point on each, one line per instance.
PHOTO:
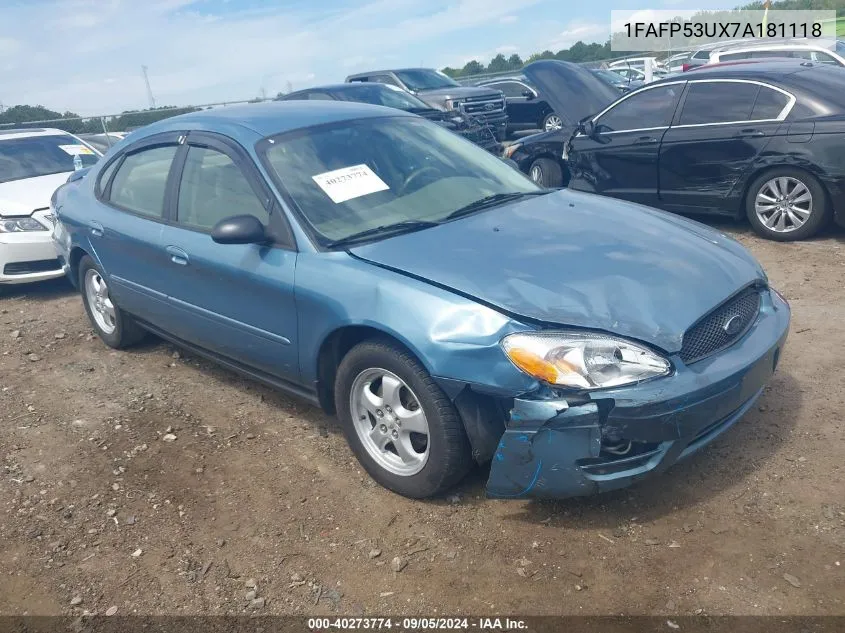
(818, 217)
(449, 457)
(126, 332)
(546, 173)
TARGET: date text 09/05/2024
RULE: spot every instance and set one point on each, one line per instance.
(731, 30)
(417, 624)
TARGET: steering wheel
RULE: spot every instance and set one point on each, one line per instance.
(414, 176)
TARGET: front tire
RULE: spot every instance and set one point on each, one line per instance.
(786, 204)
(113, 326)
(546, 173)
(403, 429)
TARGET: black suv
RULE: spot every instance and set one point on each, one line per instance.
(444, 93)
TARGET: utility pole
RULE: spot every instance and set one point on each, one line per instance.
(149, 90)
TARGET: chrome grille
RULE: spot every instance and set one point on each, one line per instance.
(484, 106)
(722, 327)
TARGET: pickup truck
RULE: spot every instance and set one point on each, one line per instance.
(444, 93)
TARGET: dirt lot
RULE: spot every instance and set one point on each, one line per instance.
(100, 508)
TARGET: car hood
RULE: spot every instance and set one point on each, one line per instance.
(576, 259)
(573, 91)
(22, 197)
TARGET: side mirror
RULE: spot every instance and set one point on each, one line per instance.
(587, 128)
(528, 94)
(239, 229)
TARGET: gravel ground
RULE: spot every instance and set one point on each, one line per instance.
(152, 482)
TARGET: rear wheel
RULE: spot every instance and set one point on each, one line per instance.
(402, 428)
(546, 173)
(552, 122)
(786, 204)
(113, 326)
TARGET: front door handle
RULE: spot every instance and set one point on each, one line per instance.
(96, 229)
(645, 140)
(177, 255)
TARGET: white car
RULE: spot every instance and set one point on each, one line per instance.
(809, 52)
(33, 164)
(634, 62)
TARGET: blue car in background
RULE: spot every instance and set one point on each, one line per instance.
(446, 308)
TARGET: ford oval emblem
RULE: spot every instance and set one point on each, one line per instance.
(489, 106)
(732, 325)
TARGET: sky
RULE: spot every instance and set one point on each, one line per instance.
(86, 55)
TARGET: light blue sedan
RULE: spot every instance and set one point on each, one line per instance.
(447, 309)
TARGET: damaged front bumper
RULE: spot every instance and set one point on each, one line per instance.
(565, 447)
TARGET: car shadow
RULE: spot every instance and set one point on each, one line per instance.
(726, 464)
(38, 291)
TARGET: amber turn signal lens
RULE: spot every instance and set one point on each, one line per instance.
(533, 365)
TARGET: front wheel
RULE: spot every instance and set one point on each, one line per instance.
(114, 327)
(786, 204)
(401, 426)
(546, 173)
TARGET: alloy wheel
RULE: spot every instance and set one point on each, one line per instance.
(389, 421)
(97, 296)
(783, 204)
(553, 122)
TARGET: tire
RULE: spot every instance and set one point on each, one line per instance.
(117, 331)
(546, 173)
(551, 122)
(793, 180)
(373, 368)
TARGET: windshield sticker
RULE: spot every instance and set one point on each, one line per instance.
(350, 182)
(75, 150)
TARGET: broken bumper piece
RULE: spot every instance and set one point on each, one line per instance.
(556, 448)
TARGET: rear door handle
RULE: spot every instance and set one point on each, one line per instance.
(96, 229)
(177, 255)
(645, 140)
(750, 132)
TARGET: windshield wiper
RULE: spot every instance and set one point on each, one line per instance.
(405, 226)
(491, 201)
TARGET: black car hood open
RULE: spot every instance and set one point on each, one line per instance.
(573, 91)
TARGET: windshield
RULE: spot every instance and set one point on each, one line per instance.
(422, 79)
(35, 156)
(381, 94)
(355, 176)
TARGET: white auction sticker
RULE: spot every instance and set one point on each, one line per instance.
(75, 150)
(350, 182)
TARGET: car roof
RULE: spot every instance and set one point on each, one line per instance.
(752, 69)
(30, 132)
(268, 119)
(769, 46)
(387, 70)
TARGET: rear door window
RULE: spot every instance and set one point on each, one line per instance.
(711, 102)
(770, 103)
(141, 181)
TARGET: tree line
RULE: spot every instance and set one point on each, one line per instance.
(23, 115)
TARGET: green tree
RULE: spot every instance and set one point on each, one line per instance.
(451, 72)
(515, 62)
(498, 64)
(543, 55)
(472, 68)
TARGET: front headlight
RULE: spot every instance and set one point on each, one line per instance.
(452, 104)
(583, 360)
(20, 225)
(510, 149)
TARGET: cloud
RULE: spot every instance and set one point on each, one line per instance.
(508, 19)
(86, 55)
(575, 31)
